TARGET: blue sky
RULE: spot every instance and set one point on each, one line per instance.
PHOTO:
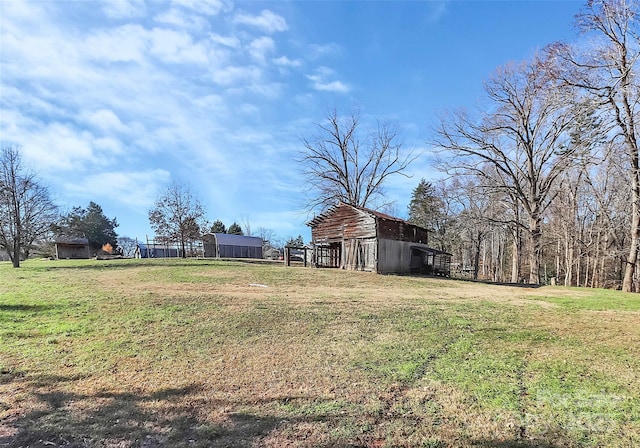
(111, 99)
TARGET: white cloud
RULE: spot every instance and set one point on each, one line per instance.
(321, 83)
(24, 11)
(208, 7)
(123, 9)
(316, 51)
(268, 90)
(109, 145)
(127, 43)
(176, 47)
(231, 75)
(181, 19)
(59, 147)
(267, 21)
(260, 47)
(106, 120)
(227, 41)
(284, 61)
(332, 86)
(132, 43)
(133, 188)
(210, 103)
(107, 108)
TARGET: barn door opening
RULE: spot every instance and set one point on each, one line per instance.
(328, 256)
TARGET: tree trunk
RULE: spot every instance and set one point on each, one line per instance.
(515, 256)
(15, 256)
(587, 265)
(632, 258)
(632, 148)
(184, 252)
(536, 250)
(578, 259)
(568, 252)
(595, 283)
(476, 260)
(484, 259)
(558, 260)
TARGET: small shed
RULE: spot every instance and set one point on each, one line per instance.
(67, 248)
(224, 245)
(351, 237)
(155, 250)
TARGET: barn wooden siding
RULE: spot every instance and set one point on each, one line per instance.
(343, 222)
(356, 238)
(398, 230)
(70, 248)
(345, 237)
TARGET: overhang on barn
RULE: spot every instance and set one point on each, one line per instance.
(357, 238)
(224, 245)
(68, 248)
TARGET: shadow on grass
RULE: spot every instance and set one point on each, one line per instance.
(20, 308)
(161, 419)
(130, 263)
(174, 417)
(97, 265)
(469, 280)
(489, 282)
(513, 444)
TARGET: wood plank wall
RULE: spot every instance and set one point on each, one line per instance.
(344, 223)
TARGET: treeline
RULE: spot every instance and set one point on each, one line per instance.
(544, 182)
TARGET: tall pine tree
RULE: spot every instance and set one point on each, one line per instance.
(90, 223)
(425, 208)
(235, 229)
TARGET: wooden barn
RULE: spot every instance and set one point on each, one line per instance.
(224, 245)
(67, 248)
(357, 238)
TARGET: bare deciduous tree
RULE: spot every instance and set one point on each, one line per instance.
(523, 139)
(339, 167)
(177, 215)
(26, 209)
(127, 246)
(607, 69)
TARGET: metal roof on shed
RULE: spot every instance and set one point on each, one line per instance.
(238, 240)
(72, 241)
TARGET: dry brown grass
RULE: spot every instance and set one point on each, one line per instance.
(188, 354)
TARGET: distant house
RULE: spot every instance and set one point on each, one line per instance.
(67, 248)
(224, 245)
(357, 238)
(155, 250)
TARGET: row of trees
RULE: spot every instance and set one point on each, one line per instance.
(549, 167)
(219, 227)
(26, 208)
(178, 216)
(30, 218)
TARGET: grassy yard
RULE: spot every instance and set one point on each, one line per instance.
(196, 353)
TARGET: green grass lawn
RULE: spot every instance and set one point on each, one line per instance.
(202, 353)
